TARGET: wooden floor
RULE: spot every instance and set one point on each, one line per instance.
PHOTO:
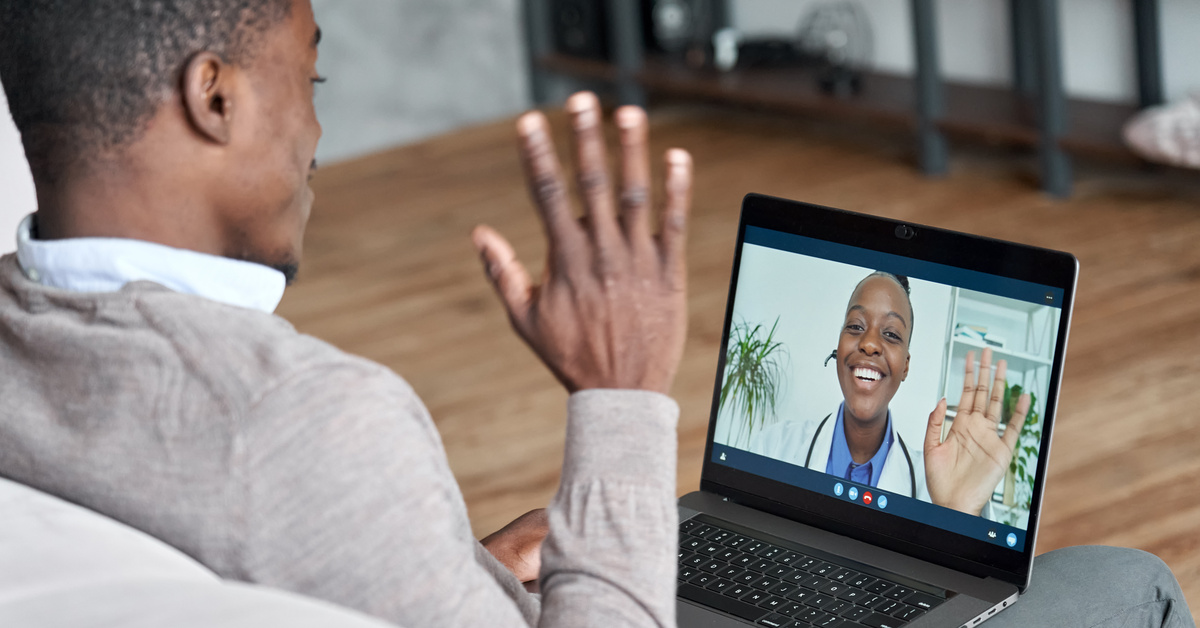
(390, 274)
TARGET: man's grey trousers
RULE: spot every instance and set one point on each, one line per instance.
(1102, 587)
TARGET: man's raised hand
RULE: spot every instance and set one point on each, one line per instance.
(611, 310)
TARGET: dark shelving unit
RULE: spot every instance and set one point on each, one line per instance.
(1034, 112)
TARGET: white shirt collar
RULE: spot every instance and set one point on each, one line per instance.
(107, 264)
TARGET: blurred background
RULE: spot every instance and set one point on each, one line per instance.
(404, 70)
(1058, 123)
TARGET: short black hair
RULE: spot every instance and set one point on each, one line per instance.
(84, 77)
(900, 279)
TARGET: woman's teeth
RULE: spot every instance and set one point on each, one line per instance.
(870, 375)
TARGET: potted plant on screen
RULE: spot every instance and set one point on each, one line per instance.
(754, 376)
(1018, 484)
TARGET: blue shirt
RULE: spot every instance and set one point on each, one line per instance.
(842, 464)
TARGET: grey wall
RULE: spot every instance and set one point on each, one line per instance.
(1097, 40)
(403, 70)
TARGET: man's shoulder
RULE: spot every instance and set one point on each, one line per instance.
(245, 354)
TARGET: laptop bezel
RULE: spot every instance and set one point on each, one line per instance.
(926, 542)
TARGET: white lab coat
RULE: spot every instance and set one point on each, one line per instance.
(790, 441)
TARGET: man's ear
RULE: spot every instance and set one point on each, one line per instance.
(208, 96)
(907, 358)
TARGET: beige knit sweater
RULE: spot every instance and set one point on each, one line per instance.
(273, 457)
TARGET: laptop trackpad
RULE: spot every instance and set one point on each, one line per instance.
(692, 616)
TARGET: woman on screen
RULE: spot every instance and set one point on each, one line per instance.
(858, 442)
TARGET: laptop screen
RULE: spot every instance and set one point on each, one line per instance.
(836, 359)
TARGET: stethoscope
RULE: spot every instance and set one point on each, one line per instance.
(912, 474)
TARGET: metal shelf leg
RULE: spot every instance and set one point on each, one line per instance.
(1024, 57)
(1149, 52)
(625, 34)
(535, 14)
(1055, 164)
(931, 100)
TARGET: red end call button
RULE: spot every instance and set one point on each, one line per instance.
(867, 498)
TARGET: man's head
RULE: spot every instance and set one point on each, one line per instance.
(872, 352)
(187, 122)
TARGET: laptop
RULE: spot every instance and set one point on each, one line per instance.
(830, 493)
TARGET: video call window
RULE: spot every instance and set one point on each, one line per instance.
(789, 377)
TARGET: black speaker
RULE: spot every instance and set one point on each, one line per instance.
(580, 28)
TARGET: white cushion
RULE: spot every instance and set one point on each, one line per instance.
(177, 604)
(47, 544)
(64, 566)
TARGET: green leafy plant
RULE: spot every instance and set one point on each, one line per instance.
(754, 375)
(1025, 457)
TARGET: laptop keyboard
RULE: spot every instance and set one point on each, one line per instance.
(782, 585)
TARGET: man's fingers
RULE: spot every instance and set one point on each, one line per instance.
(1016, 422)
(587, 122)
(933, 432)
(995, 410)
(544, 176)
(675, 213)
(635, 173)
(518, 545)
(506, 272)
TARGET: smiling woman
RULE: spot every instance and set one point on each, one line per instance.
(872, 362)
(859, 440)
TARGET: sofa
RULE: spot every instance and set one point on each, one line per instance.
(64, 566)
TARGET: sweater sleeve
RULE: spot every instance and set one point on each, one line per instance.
(610, 557)
(348, 497)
